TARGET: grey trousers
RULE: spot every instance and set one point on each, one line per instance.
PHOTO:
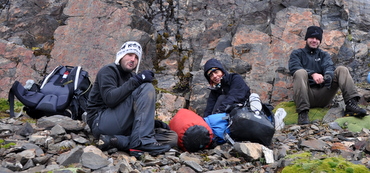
(306, 97)
(132, 121)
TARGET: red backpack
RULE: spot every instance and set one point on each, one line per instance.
(193, 132)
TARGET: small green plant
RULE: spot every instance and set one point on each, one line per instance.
(4, 145)
(4, 105)
(205, 157)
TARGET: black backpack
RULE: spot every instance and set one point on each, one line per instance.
(240, 123)
(245, 125)
(64, 91)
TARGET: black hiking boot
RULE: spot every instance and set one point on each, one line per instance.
(352, 109)
(106, 142)
(154, 149)
(303, 118)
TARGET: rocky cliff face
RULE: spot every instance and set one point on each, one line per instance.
(253, 38)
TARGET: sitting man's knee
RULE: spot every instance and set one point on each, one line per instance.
(148, 86)
(341, 69)
(146, 89)
(300, 73)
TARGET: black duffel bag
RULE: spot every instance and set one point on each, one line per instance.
(246, 125)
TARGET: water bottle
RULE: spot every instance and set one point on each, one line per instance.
(368, 78)
(279, 116)
(255, 103)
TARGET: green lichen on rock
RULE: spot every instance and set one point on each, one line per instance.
(160, 52)
(354, 124)
(305, 163)
(184, 83)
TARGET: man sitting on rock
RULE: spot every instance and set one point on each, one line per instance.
(121, 107)
(316, 80)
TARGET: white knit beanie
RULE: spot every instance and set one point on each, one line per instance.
(129, 47)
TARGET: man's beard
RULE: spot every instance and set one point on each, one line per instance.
(311, 48)
(128, 70)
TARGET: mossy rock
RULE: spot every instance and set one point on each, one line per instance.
(292, 116)
(354, 124)
(305, 163)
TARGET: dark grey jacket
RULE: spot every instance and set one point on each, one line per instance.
(312, 60)
(112, 85)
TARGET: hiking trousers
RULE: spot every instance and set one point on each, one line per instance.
(306, 97)
(132, 121)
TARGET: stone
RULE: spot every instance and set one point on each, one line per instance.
(93, 161)
(70, 157)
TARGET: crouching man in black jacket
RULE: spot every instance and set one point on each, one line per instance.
(121, 107)
(227, 89)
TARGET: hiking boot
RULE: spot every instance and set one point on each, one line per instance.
(303, 118)
(136, 153)
(106, 142)
(352, 109)
(153, 149)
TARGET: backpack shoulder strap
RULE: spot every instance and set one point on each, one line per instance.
(227, 137)
(50, 75)
(78, 71)
(11, 102)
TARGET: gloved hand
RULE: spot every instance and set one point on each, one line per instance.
(161, 124)
(328, 79)
(144, 76)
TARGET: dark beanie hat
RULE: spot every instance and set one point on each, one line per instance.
(314, 32)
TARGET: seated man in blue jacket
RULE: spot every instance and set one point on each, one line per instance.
(226, 88)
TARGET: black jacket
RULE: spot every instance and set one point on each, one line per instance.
(232, 86)
(112, 85)
(312, 60)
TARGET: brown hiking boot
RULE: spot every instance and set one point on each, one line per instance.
(303, 118)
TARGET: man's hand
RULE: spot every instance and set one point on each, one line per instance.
(318, 78)
(145, 76)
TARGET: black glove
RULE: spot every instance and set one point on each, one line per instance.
(161, 124)
(144, 76)
(328, 79)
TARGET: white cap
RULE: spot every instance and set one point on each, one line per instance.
(129, 47)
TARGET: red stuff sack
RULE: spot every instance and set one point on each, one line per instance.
(193, 132)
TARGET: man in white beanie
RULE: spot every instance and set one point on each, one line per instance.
(121, 107)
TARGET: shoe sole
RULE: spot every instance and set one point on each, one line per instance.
(305, 123)
(139, 153)
(136, 153)
(354, 114)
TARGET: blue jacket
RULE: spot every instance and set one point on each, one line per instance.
(232, 86)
